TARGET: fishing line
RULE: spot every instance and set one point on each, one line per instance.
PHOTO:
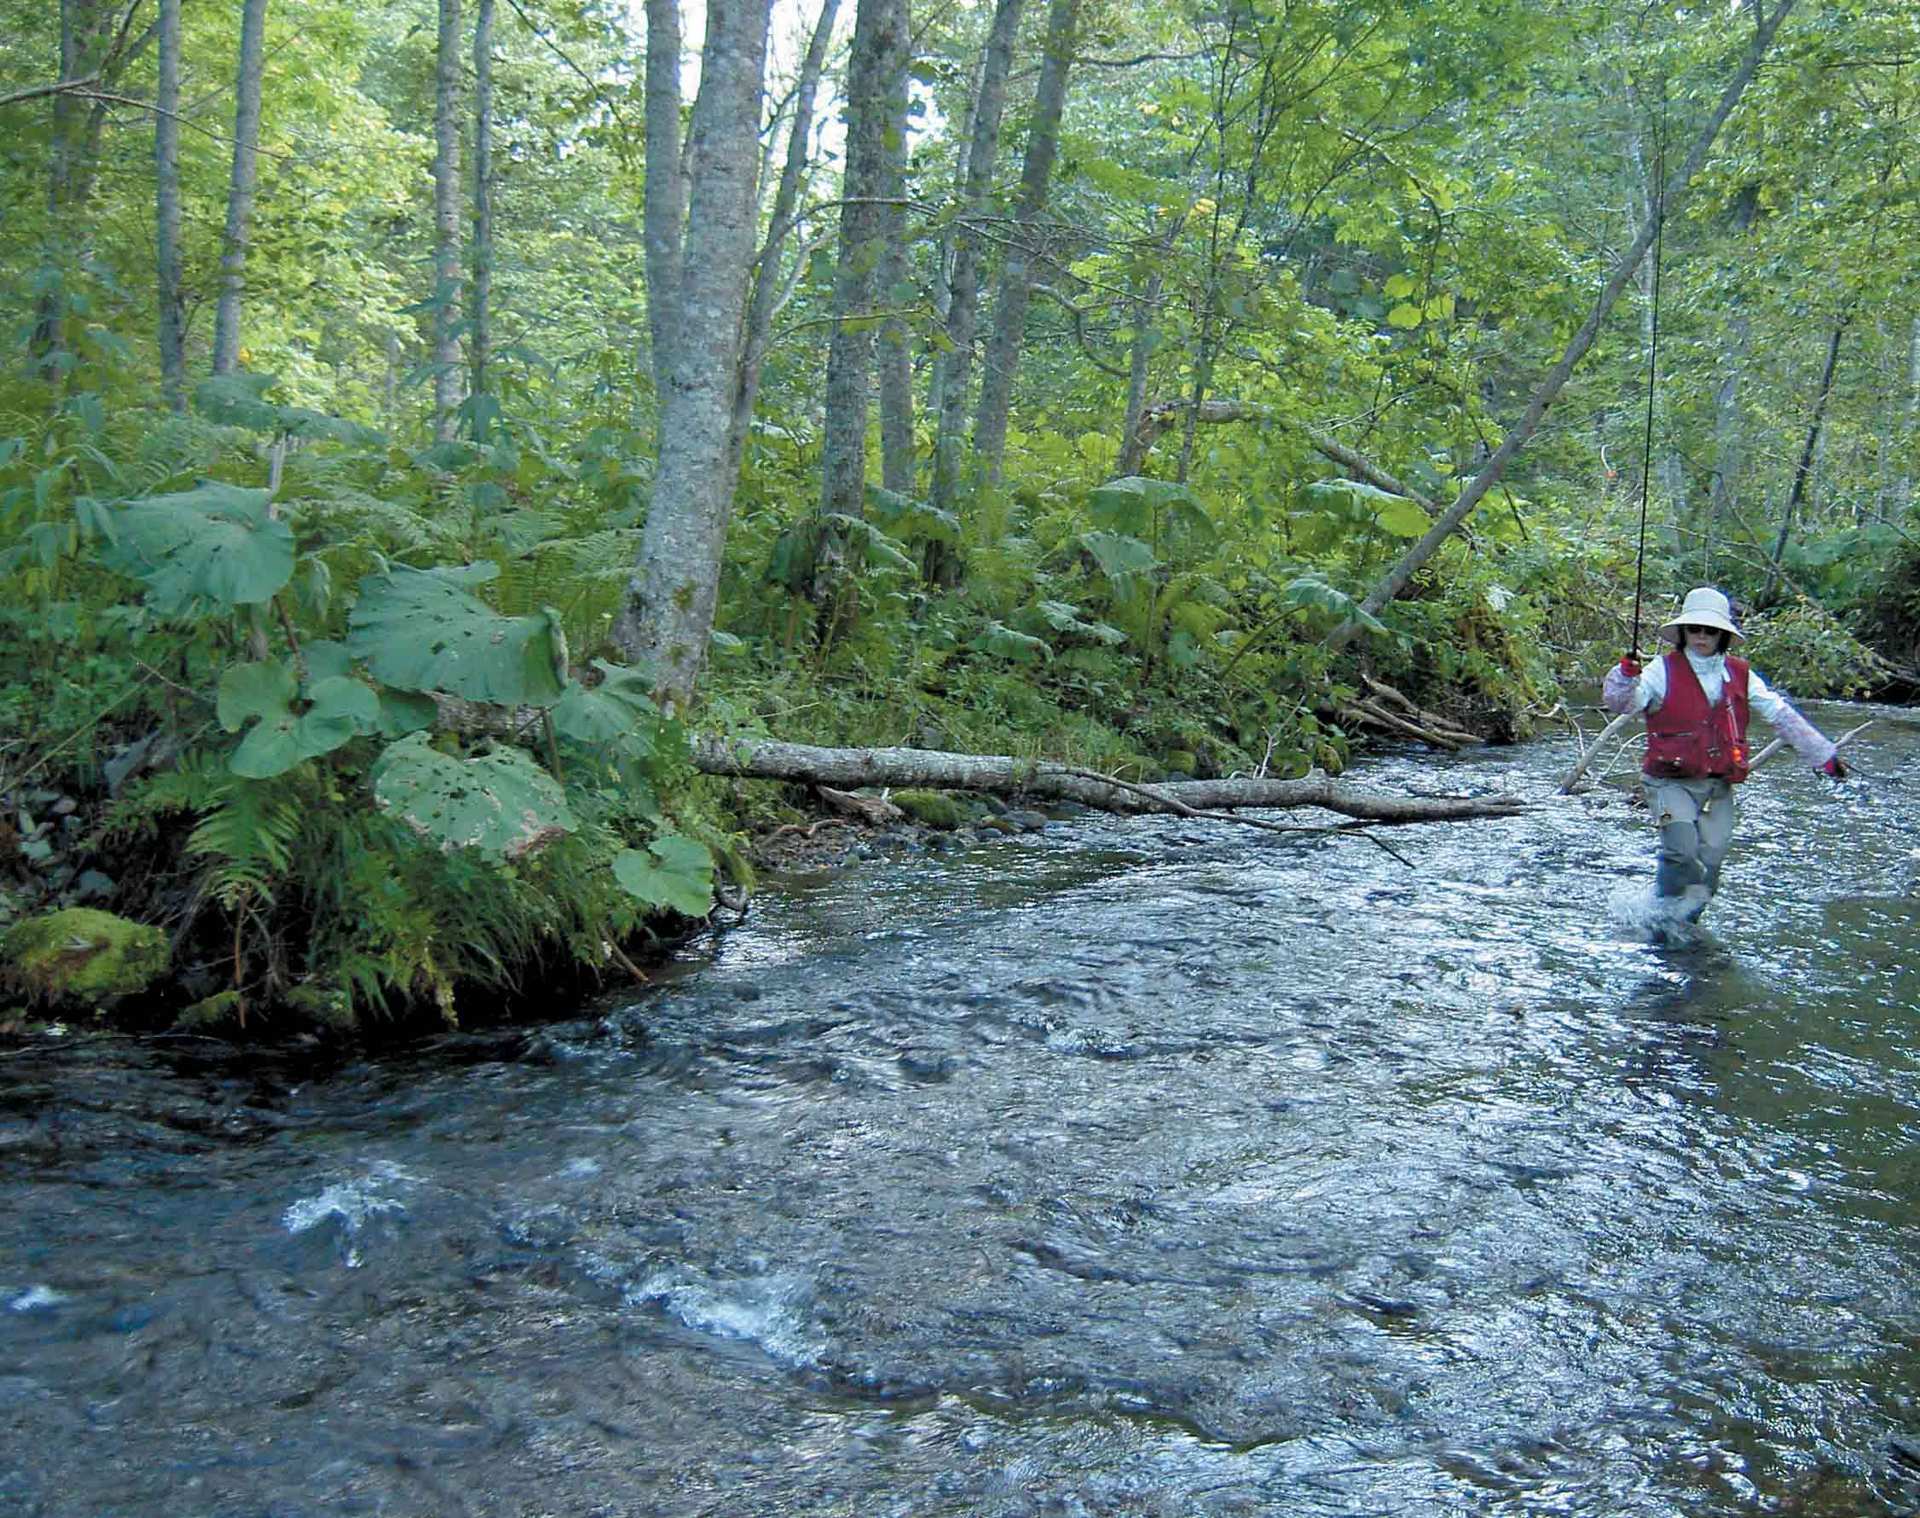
(1653, 354)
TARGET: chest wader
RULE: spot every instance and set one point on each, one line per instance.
(1696, 754)
(1695, 818)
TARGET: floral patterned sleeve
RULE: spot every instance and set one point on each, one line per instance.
(1808, 741)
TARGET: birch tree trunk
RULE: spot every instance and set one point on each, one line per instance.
(668, 614)
(69, 179)
(240, 188)
(1803, 469)
(1016, 275)
(893, 354)
(1133, 445)
(1397, 578)
(1005, 775)
(767, 267)
(664, 208)
(1903, 494)
(874, 73)
(166, 188)
(955, 366)
(446, 223)
(1728, 428)
(480, 315)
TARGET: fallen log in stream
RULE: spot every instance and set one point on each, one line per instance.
(764, 759)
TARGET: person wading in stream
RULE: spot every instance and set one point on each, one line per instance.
(1697, 699)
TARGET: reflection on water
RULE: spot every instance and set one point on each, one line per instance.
(1134, 1167)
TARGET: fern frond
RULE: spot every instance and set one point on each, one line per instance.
(248, 838)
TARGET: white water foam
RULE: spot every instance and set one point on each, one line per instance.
(352, 1203)
(36, 1299)
(1655, 919)
(767, 1310)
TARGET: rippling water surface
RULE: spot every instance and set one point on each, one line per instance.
(1134, 1167)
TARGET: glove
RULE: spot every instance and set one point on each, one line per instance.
(1836, 767)
(1630, 667)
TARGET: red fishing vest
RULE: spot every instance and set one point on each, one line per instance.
(1688, 739)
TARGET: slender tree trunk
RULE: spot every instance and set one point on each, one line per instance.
(446, 223)
(766, 283)
(668, 615)
(1903, 492)
(955, 366)
(1728, 429)
(246, 146)
(893, 354)
(1133, 445)
(874, 74)
(166, 188)
(1016, 275)
(480, 315)
(664, 209)
(1803, 470)
(1409, 563)
(82, 24)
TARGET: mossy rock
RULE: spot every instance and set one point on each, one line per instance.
(85, 956)
(934, 809)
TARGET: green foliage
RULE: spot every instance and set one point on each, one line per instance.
(501, 805)
(672, 872)
(423, 630)
(1802, 649)
(217, 545)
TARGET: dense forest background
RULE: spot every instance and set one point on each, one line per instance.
(416, 420)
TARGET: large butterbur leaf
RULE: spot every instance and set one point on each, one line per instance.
(1145, 508)
(240, 400)
(671, 872)
(618, 710)
(423, 630)
(501, 804)
(339, 708)
(1117, 555)
(214, 544)
(903, 517)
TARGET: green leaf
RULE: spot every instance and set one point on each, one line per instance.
(903, 517)
(341, 709)
(999, 639)
(249, 691)
(501, 804)
(325, 659)
(1130, 505)
(1406, 315)
(240, 400)
(1403, 519)
(674, 872)
(402, 712)
(214, 543)
(619, 709)
(1400, 286)
(419, 630)
(1116, 555)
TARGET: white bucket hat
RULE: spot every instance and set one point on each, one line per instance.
(1704, 607)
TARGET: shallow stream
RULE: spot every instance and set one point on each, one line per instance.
(1130, 1167)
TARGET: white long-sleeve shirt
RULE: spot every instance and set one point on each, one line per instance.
(1623, 693)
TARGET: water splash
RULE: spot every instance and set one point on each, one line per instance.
(1669, 922)
(352, 1203)
(768, 1310)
